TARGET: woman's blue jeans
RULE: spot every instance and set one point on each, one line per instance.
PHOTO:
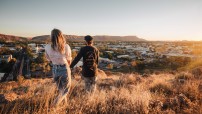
(62, 77)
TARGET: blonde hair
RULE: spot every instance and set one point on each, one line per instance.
(58, 41)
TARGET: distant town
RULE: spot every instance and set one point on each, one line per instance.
(27, 59)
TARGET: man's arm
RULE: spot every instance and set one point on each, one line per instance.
(76, 59)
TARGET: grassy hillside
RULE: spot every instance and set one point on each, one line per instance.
(116, 93)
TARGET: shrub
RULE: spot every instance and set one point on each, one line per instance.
(20, 80)
(161, 89)
(184, 76)
(190, 89)
(197, 72)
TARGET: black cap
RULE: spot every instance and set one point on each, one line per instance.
(88, 38)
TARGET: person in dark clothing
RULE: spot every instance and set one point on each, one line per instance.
(90, 55)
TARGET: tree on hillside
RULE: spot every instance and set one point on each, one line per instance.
(41, 59)
(109, 56)
(29, 52)
(7, 67)
(74, 53)
(5, 51)
(2, 41)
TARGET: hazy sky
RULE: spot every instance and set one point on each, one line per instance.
(148, 19)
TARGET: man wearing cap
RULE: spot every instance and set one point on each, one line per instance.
(90, 55)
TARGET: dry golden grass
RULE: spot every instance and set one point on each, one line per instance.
(121, 93)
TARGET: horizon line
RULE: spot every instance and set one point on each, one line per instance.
(28, 37)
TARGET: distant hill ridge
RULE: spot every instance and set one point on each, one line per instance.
(46, 38)
(96, 38)
(10, 38)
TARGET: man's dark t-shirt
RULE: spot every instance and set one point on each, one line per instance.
(90, 56)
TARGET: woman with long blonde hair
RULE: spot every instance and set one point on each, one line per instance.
(59, 54)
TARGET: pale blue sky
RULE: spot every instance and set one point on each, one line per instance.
(148, 19)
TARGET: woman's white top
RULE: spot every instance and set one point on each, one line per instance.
(56, 57)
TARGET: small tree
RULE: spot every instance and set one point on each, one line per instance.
(5, 51)
(110, 66)
(110, 56)
(133, 63)
(29, 52)
(74, 53)
(41, 59)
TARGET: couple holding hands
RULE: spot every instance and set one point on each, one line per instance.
(59, 54)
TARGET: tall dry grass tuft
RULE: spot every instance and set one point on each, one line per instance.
(197, 73)
(36, 99)
(161, 89)
(192, 65)
(115, 93)
(119, 100)
(20, 80)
